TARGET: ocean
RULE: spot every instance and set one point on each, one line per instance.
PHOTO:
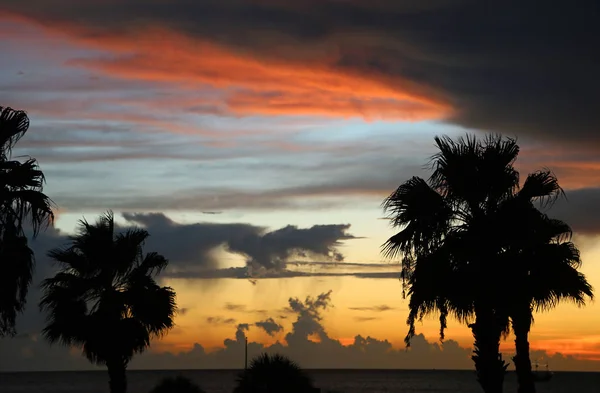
(343, 381)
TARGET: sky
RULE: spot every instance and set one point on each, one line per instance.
(268, 132)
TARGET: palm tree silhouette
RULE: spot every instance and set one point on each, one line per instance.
(104, 299)
(454, 236)
(22, 203)
(273, 374)
(544, 263)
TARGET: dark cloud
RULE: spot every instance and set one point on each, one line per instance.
(240, 336)
(220, 321)
(235, 307)
(308, 321)
(513, 66)
(580, 209)
(269, 326)
(191, 246)
(379, 308)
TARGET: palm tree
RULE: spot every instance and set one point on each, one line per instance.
(22, 203)
(452, 241)
(104, 299)
(273, 374)
(544, 265)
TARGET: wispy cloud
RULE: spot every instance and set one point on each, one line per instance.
(379, 308)
(365, 319)
(217, 320)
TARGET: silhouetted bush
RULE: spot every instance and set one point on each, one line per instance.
(176, 385)
(274, 374)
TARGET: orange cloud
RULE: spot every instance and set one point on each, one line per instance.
(252, 86)
(575, 170)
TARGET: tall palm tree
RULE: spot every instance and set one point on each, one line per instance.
(22, 204)
(544, 269)
(452, 242)
(104, 299)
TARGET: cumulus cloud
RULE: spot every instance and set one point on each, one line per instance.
(269, 326)
(308, 343)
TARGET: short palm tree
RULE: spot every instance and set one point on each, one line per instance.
(22, 204)
(104, 299)
(273, 374)
(453, 237)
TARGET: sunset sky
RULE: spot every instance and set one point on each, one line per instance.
(292, 121)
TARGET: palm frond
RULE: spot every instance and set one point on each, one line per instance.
(423, 214)
(542, 186)
(455, 166)
(21, 196)
(13, 125)
(128, 249)
(152, 264)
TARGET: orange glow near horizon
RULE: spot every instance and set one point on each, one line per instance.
(551, 332)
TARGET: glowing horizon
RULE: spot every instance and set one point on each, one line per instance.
(308, 124)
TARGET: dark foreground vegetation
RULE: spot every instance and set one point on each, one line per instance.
(475, 246)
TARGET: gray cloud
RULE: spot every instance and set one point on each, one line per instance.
(580, 209)
(242, 273)
(235, 307)
(369, 174)
(190, 246)
(240, 336)
(365, 319)
(462, 51)
(269, 326)
(242, 308)
(379, 308)
(308, 321)
(220, 321)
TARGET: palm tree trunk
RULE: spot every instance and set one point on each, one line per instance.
(116, 373)
(521, 322)
(488, 361)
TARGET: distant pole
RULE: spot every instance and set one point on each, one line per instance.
(246, 354)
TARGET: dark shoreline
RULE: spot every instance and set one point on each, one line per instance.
(310, 370)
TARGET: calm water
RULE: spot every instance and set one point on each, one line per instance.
(346, 381)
